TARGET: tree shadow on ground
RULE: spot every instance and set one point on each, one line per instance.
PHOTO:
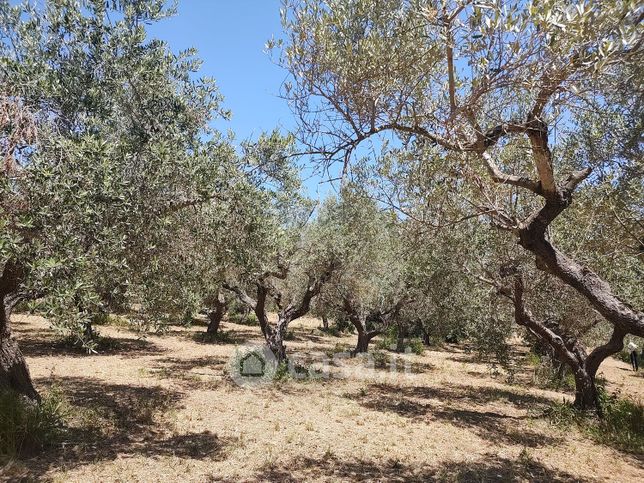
(497, 427)
(470, 394)
(467, 353)
(44, 345)
(222, 337)
(308, 335)
(110, 420)
(179, 364)
(421, 367)
(469, 409)
(639, 374)
(195, 373)
(478, 375)
(492, 468)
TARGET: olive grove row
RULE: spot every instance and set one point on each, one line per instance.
(491, 176)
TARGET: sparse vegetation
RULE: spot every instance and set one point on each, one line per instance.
(241, 318)
(620, 426)
(27, 428)
(381, 359)
(550, 374)
(219, 338)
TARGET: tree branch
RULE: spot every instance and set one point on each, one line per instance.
(538, 135)
(500, 177)
(575, 178)
(524, 317)
(241, 295)
(600, 353)
(587, 283)
(314, 287)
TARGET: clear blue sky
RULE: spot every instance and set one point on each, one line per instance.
(230, 36)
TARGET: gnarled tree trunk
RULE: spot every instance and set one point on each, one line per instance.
(359, 321)
(586, 397)
(400, 340)
(216, 312)
(275, 336)
(14, 373)
(623, 318)
(275, 339)
(579, 277)
(364, 338)
(569, 350)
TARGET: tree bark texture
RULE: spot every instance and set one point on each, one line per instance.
(14, 372)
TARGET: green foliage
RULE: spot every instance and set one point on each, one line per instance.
(242, 318)
(339, 348)
(388, 341)
(342, 323)
(294, 371)
(220, 337)
(549, 373)
(25, 427)
(623, 423)
(490, 341)
(381, 360)
(621, 426)
(111, 320)
(364, 71)
(333, 330)
(416, 345)
(123, 144)
(533, 359)
(282, 372)
(365, 242)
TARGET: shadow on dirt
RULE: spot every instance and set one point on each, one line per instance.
(468, 409)
(107, 421)
(204, 373)
(491, 468)
(45, 345)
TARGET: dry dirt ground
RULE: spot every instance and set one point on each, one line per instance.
(165, 408)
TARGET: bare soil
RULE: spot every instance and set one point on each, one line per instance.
(164, 408)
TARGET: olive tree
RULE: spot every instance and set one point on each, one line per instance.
(105, 137)
(369, 289)
(276, 260)
(475, 81)
(228, 240)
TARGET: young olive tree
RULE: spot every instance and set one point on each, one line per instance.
(105, 138)
(475, 81)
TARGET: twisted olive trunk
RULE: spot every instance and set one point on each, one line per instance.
(584, 281)
(570, 351)
(275, 339)
(364, 338)
(275, 336)
(14, 373)
(216, 315)
(586, 396)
